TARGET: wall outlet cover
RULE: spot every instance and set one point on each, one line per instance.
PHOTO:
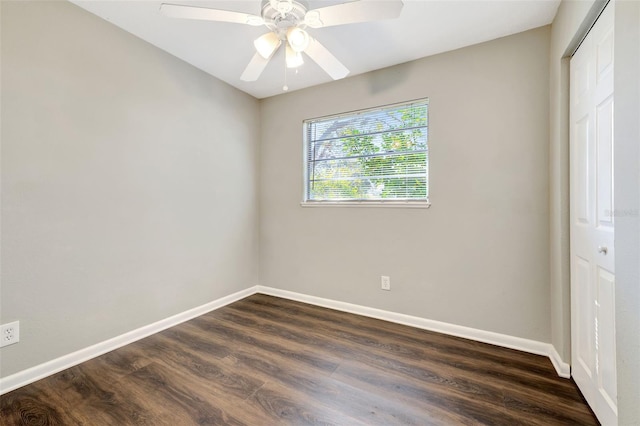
(9, 333)
(385, 282)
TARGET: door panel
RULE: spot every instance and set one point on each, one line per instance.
(604, 55)
(606, 336)
(604, 166)
(581, 167)
(584, 326)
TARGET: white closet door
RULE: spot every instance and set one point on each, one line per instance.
(592, 220)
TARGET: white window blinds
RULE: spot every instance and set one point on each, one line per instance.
(377, 155)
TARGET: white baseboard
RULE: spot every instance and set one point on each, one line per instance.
(518, 343)
(30, 375)
(563, 368)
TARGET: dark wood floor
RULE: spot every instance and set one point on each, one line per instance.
(265, 360)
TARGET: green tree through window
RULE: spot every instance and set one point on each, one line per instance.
(372, 155)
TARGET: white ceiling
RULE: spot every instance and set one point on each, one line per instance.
(425, 27)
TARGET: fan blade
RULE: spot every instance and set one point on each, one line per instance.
(255, 68)
(353, 12)
(326, 60)
(206, 14)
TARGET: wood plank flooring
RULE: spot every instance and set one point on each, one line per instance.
(269, 361)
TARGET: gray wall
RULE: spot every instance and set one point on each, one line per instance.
(128, 183)
(479, 256)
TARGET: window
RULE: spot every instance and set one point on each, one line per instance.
(377, 156)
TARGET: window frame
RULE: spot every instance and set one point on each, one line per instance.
(306, 202)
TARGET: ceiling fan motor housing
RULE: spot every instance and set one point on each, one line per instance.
(286, 14)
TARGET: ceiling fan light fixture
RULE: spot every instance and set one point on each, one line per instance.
(298, 39)
(293, 58)
(267, 44)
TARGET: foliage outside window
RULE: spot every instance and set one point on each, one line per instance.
(377, 155)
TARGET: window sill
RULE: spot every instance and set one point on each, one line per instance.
(386, 204)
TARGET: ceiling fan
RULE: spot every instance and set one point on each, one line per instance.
(287, 21)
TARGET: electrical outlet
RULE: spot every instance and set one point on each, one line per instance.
(9, 333)
(386, 282)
